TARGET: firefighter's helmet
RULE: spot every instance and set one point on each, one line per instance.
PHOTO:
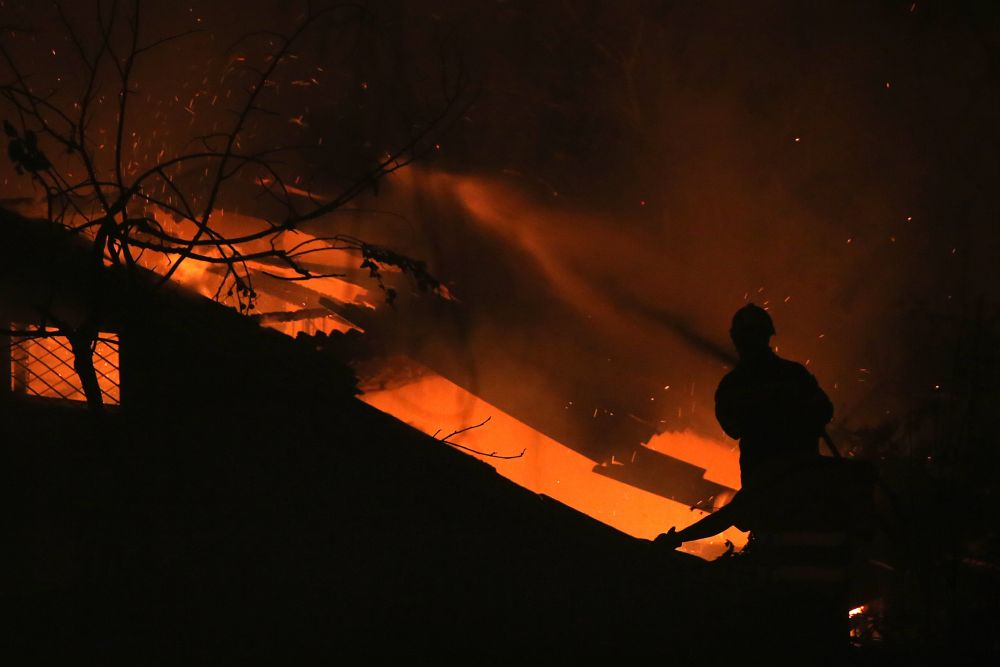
(751, 321)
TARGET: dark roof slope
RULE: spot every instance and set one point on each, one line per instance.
(246, 505)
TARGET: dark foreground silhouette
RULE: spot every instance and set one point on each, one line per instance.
(242, 506)
(805, 512)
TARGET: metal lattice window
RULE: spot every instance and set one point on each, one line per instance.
(43, 366)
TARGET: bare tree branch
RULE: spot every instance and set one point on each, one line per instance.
(123, 203)
(493, 455)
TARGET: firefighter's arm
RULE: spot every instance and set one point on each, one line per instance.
(818, 406)
(709, 525)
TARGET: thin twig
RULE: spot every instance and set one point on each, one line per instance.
(493, 455)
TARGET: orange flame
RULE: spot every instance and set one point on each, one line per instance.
(433, 404)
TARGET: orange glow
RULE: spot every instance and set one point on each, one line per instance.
(43, 367)
(433, 404)
(205, 278)
(196, 276)
(720, 460)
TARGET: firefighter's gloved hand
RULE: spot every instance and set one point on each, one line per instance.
(669, 539)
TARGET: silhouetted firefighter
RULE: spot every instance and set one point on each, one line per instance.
(777, 411)
(773, 406)
(805, 512)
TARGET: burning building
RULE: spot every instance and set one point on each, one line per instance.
(534, 219)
